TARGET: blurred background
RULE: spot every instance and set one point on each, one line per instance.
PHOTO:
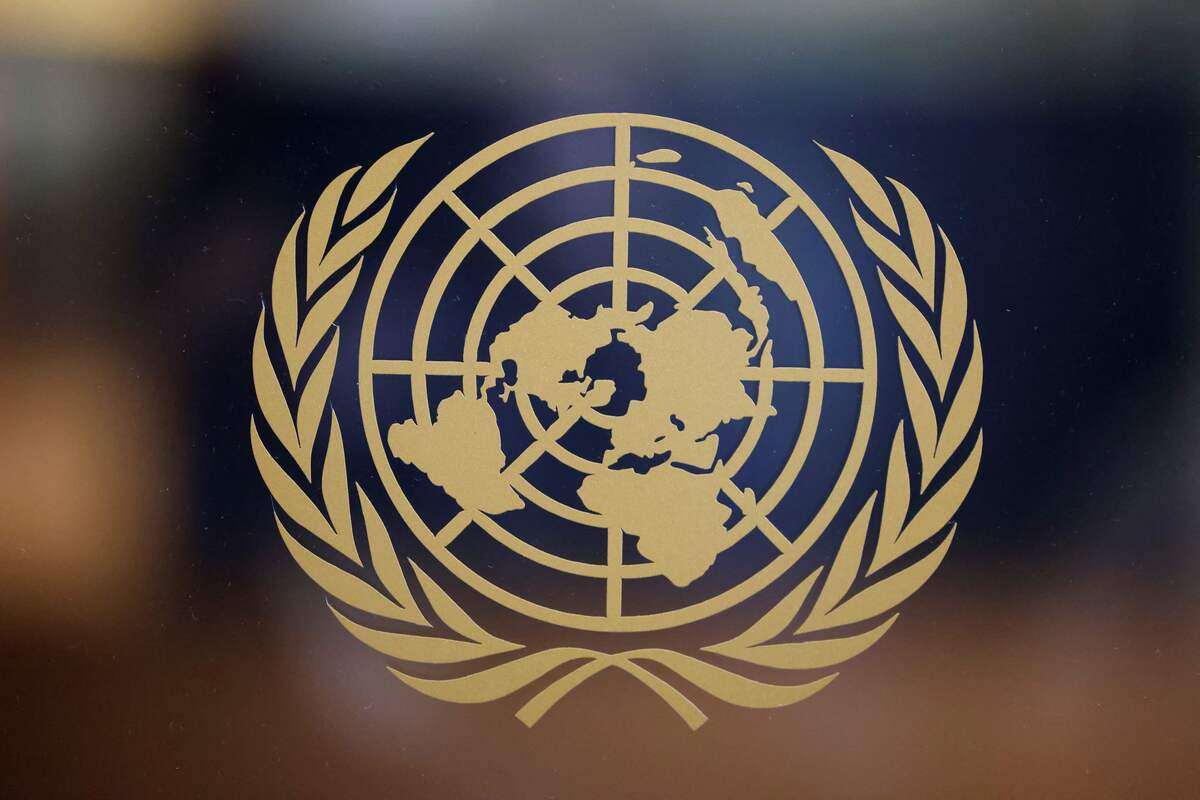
(154, 636)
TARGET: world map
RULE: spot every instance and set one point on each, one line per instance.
(660, 480)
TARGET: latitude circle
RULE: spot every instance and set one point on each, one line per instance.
(563, 290)
(560, 292)
(566, 288)
(814, 528)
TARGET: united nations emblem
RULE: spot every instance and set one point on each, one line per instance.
(629, 392)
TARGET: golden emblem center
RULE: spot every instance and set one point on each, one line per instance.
(667, 489)
(634, 437)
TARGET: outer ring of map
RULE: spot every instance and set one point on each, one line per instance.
(439, 546)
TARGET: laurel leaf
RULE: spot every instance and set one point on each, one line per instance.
(326, 310)
(729, 686)
(920, 231)
(772, 623)
(865, 186)
(953, 313)
(386, 564)
(892, 256)
(939, 508)
(896, 498)
(914, 324)
(964, 408)
(845, 566)
(379, 176)
(271, 401)
(320, 226)
(888, 593)
(312, 403)
(452, 614)
(335, 490)
(420, 648)
(338, 583)
(354, 242)
(920, 410)
(290, 497)
(817, 654)
(496, 682)
(285, 307)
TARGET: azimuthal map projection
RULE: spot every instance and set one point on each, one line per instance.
(693, 364)
(619, 373)
(669, 474)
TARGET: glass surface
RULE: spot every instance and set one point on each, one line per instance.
(155, 636)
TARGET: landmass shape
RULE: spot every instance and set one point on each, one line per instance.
(661, 481)
(459, 452)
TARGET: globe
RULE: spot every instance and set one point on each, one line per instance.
(679, 391)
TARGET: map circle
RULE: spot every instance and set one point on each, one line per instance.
(444, 193)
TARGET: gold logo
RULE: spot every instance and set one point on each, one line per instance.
(484, 387)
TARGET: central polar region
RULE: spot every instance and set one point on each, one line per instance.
(660, 478)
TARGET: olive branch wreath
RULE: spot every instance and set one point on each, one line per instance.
(293, 398)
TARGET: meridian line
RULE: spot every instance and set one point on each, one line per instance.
(782, 212)
(776, 537)
(620, 245)
(749, 506)
(488, 237)
(453, 528)
(612, 599)
(698, 292)
(535, 450)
